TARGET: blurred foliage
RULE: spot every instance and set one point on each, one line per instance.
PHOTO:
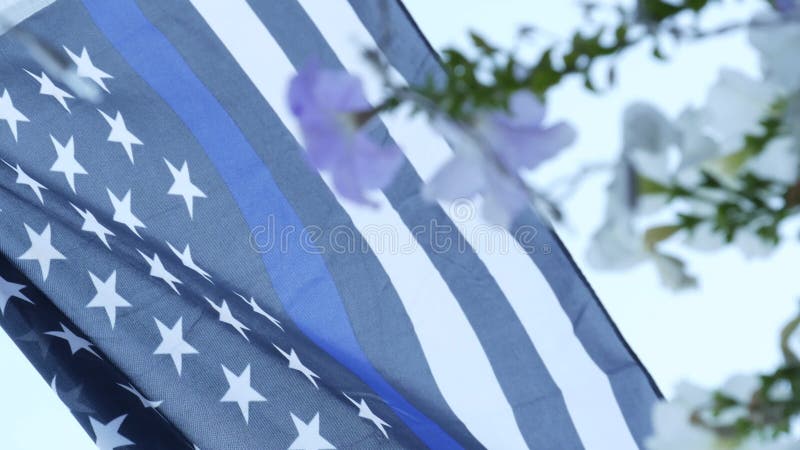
(769, 411)
(745, 198)
(486, 75)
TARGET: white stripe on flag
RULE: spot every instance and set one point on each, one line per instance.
(458, 363)
(15, 11)
(586, 389)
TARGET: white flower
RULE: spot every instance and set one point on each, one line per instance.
(672, 427)
(648, 139)
(672, 272)
(777, 46)
(645, 128)
(766, 443)
(704, 238)
(647, 136)
(751, 244)
(691, 396)
(615, 246)
(741, 387)
(698, 149)
(779, 161)
(735, 106)
(781, 391)
(674, 431)
(695, 143)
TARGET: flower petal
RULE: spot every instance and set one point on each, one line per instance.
(461, 177)
(324, 101)
(735, 106)
(615, 246)
(374, 166)
(646, 129)
(778, 46)
(503, 200)
(525, 110)
(695, 144)
(751, 244)
(528, 147)
(518, 136)
(741, 387)
(301, 89)
(779, 161)
(340, 91)
(673, 272)
(349, 186)
(704, 238)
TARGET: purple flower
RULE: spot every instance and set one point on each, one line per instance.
(785, 6)
(518, 135)
(516, 138)
(332, 110)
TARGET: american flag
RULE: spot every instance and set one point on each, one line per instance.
(184, 279)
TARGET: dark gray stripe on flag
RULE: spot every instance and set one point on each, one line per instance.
(406, 47)
(537, 402)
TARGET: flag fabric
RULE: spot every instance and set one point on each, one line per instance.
(182, 277)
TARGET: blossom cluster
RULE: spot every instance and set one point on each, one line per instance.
(725, 173)
(749, 412)
(701, 419)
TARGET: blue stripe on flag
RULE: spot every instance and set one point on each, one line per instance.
(300, 278)
(363, 285)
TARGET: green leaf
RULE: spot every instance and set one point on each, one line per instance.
(646, 186)
(481, 44)
(657, 234)
(658, 54)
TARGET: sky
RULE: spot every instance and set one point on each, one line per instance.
(729, 324)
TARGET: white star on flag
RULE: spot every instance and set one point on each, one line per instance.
(366, 413)
(123, 213)
(76, 343)
(10, 114)
(186, 258)
(240, 391)
(41, 250)
(158, 270)
(66, 162)
(296, 364)
(47, 87)
(107, 296)
(145, 401)
(107, 435)
(258, 310)
(308, 437)
(120, 134)
(91, 225)
(183, 187)
(86, 68)
(9, 290)
(173, 344)
(226, 316)
(25, 179)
